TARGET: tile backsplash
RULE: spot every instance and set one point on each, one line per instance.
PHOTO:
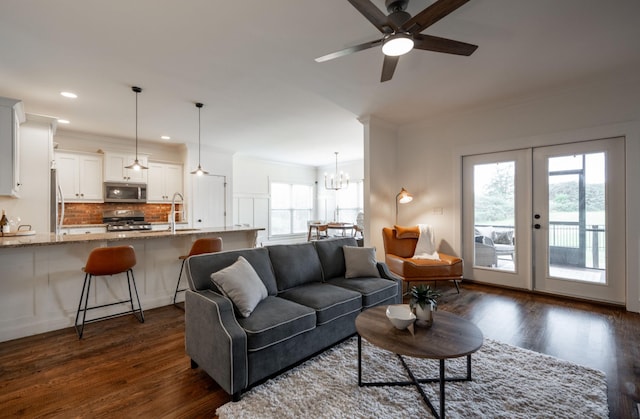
(81, 213)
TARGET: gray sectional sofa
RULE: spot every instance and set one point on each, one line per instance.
(312, 300)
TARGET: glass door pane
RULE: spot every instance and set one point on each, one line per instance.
(494, 215)
(577, 249)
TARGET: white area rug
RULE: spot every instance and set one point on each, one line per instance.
(508, 382)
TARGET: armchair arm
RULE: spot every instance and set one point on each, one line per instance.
(214, 340)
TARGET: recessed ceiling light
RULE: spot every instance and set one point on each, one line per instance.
(165, 137)
(64, 121)
(69, 95)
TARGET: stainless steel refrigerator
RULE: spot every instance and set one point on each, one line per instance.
(56, 204)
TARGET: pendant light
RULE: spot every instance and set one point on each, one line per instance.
(136, 164)
(199, 170)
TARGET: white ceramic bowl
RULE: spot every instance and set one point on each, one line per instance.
(400, 315)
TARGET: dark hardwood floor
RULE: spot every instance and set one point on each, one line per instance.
(127, 369)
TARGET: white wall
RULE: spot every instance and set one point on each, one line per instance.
(252, 177)
(381, 184)
(429, 153)
(32, 207)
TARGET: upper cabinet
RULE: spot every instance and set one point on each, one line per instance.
(80, 176)
(115, 168)
(11, 116)
(165, 179)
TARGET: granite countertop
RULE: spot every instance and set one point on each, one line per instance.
(153, 223)
(46, 239)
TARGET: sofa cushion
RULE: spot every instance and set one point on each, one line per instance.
(360, 262)
(295, 264)
(330, 302)
(276, 319)
(199, 268)
(373, 290)
(332, 256)
(241, 284)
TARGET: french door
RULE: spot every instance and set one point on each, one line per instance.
(549, 219)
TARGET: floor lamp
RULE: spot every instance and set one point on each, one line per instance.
(403, 197)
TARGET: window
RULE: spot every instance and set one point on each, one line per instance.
(350, 202)
(291, 208)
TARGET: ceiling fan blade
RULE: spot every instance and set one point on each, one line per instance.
(448, 46)
(431, 15)
(388, 67)
(373, 14)
(349, 50)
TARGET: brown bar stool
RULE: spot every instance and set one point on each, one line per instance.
(108, 261)
(200, 246)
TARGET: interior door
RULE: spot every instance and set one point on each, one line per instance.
(579, 220)
(497, 218)
(209, 201)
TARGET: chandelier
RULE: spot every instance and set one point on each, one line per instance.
(336, 181)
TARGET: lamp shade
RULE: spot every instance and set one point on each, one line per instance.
(404, 196)
(199, 171)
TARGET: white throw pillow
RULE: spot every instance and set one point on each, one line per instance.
(242, 285)
(360, 262)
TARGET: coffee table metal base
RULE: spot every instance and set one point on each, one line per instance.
(416, 381)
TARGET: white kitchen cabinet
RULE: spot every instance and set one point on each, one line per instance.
(80, 176)
(165, 179)
(11, 116)
(115, 167)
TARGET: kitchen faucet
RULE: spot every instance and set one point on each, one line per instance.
(172, 214)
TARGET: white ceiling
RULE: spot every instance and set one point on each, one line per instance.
(251, 62)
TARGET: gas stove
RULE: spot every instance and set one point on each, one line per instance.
(125, 220)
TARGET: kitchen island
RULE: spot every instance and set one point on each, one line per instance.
(41, 275)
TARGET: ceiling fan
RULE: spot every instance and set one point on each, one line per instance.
(401, 32)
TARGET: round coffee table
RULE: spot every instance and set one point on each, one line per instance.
(450, 336)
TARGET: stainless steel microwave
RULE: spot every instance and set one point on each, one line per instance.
(125, 192)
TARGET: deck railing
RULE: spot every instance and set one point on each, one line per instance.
(571, 247)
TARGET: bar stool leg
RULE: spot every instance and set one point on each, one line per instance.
(135, 289)
(87, 285)
(175, 294)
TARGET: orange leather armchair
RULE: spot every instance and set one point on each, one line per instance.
(399, 250)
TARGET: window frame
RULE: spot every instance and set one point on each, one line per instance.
(291, 208)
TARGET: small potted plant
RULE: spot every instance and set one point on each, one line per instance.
(424, 300)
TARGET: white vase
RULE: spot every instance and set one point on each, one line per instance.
(424, 316)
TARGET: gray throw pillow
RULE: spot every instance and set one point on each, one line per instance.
(360, 262)
(242, 285)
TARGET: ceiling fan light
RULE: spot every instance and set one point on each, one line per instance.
(397, 44)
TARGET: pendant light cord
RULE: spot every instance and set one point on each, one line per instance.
(199, 145)
(136, 125)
